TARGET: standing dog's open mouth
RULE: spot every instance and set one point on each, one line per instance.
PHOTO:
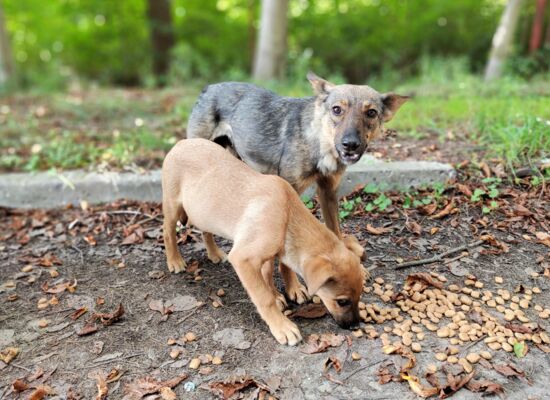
(349, 157)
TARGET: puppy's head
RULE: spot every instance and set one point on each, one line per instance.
(352, 115)
(338, 280)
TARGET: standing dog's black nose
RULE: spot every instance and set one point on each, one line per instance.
(350, 143)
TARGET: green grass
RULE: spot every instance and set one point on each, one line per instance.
(115, 128)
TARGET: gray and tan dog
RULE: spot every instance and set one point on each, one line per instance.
(204, 185)
(303, 140)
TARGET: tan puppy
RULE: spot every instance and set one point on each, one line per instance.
(204, 185)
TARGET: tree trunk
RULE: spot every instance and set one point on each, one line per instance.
(538, 25)
(6, 59)
(270, 60)
(162, 37)
(502, 40)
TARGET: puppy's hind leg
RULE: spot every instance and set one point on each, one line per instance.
(173, 212)
(215, 254)
(294, 289)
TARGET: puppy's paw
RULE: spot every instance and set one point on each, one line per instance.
(297, 293)
(280, 301)
(286, 332)
(353, 245)
(176, 265)
(217, 257)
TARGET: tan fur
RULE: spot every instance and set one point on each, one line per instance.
(205, 186)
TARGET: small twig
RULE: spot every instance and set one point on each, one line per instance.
(450, 260)
(470, 345)
(20, 367)
(361, 369)
(439, 257)
(114, 360)
(79, 252)
(124, 212)
(190, 314)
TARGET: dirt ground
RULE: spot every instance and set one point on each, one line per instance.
(113, 255)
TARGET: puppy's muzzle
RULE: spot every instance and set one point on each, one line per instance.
(350, 320)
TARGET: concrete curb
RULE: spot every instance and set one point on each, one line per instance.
(47, 190)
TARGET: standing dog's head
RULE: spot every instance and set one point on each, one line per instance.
(352, 115)
(337, 278)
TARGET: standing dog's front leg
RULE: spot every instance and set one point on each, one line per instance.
(249, 270)
(326, 190)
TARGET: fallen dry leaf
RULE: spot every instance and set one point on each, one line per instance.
(320, 344)
(417, 387)
(378, 231)
(402, 351)
(310, 311)
(485, 386)
(60, 287)
(109, 318)
(87, 329)
(543, 238)
(333, 362)
(41, 392)
(143, 386)
(159, 305)
(454, 384)
(413, 227)
(19, 386)
(101, 384)
(490, 239)
(384, 375)
(421, 280)
(228, 388)
(449, 208)
(78, 313)
(509, 370)
(8, 354)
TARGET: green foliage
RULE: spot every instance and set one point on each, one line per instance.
(308, 201)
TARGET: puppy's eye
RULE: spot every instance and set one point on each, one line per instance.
(344, 302)
(372, 113)
(337, 110)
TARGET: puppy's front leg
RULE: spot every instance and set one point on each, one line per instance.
(248, 268)
(326, 190)
(267, 272)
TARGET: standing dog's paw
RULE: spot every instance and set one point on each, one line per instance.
(217, 257)
(297, 293)
(176, 265)
(286, 332)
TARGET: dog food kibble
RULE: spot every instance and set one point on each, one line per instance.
(440, 356)
(443, 332)
(452, 359)
(220, 292)
(494, 346)
(478, 284)
(43, 323)
(216, 360)
(195, 363)
(544, 314)
(501, 308)
(485, 354)
(316, 299)
(473, 358)
(506, 346)
(466, 365)
(416, 347)
(358, 333)
(491, 303)
(175, 353)
(498, 279)
(469, 282)
(454, 288)
(420, 336)
(536, 290)
(190, 337)
(355, 356)
(515, 299)
(379, 280)
(524, 303)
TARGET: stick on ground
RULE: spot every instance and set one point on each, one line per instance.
(438, 257)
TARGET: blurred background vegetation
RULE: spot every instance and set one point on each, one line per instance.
(435, 49)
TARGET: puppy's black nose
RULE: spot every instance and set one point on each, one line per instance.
(350, 143)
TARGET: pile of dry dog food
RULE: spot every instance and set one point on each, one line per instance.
(461, 315)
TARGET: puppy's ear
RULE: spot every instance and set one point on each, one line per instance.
(392, 102)
(317, 273)
(319, 85)
(353, 244)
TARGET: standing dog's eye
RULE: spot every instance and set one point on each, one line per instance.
(372, 113)
(337, 110)
(344, 302)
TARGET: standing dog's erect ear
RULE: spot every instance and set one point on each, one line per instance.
(320, 86)
(392, 102)
(317, 272)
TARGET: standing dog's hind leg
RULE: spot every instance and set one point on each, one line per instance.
(173, 212)
(215, 254)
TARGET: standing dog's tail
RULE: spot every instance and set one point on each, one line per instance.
(211, 115)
